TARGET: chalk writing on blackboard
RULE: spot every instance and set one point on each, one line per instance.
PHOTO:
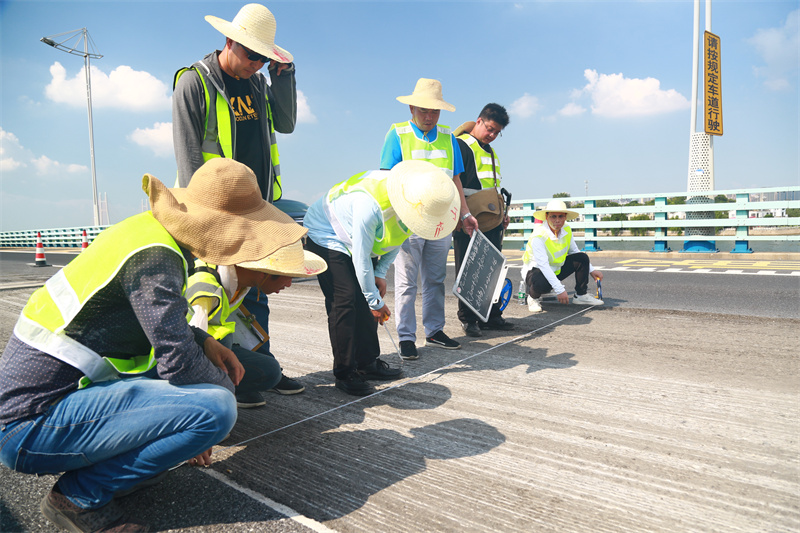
(483, 272)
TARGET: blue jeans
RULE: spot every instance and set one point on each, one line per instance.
(113, 435)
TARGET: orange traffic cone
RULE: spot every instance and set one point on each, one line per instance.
(85, 241)
(41, 261)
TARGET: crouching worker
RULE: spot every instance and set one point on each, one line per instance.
(70, 397)
(551, 255)
(358, 228)
(215, 294)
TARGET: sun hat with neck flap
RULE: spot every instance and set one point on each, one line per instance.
(220, 217)
(428, 95)
(555, 206)
(290, 261)
(254, 28)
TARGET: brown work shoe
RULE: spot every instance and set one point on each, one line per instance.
(108, 518)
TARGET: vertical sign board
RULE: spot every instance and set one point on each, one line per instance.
(713, 84)
(483, 272)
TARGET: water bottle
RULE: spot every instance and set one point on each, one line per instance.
(521, 293)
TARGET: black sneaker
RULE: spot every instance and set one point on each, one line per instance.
(249, 400)
(380, 370)
(442, 341)
(65, 514)
(355, 385)
(408, 350)
(287, 386)
(498, 323)
(471, 329)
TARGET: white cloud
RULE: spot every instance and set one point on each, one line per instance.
(572, 109)
(47, 167)
(158, 138)
(525, 106)
(613, 95)
(780, 50)
(14, 156)
(124, 88)
(7, 164)
(304, 114)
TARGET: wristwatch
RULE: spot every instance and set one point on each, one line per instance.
(465, 215)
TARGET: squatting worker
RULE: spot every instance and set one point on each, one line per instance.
(224, 107)
(481, 171)
(358, 228)
(422, 138)
(215, 292)
(103, 379)
(551, 256)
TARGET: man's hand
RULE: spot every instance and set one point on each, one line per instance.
(204, 459)
(280, 67)
(597, 275)
(506, 221)
(563, 298)
(382, 314)
(224, 359)
(380, 283)
(469, 225)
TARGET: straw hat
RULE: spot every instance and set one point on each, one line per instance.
(254, 28)
(424, 197)
(555, 206)
(466, 127)
(220, 217)
(427, 94)
(290, 261)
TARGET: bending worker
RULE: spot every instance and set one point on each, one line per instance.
(551, 255)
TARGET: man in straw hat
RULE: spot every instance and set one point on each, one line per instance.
(78, 387)
(358, 228)
(215, 292)
(481, 171)
(224, 107)
(551, 255)
(422, 138)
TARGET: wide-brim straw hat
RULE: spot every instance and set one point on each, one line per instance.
(424, 198)
(555, 206)
(427, 94)
(220, 217)
(290, 261)
(254, 28)
(466, 127)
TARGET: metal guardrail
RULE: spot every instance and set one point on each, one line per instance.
(51, 238)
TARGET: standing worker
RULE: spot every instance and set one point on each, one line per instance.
(422, 138)
(482, 173)
(224, 107)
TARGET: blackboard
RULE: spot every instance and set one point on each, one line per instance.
(482, 274)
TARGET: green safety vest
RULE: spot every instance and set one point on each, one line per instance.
(439, 152)
(557, 249)
(487, 165)
(53, 307)
(205, 283)
(219, 137)
(374, 184)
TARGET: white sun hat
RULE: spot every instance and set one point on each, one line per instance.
(424, 198)
(291, 261)
(555, 206)
(427, 94)
(254, 28)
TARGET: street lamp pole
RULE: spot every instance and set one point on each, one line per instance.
(59, 41)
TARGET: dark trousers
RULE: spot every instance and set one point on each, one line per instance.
(352, 328)
(537, 284)
(460, 244)
(261, 372)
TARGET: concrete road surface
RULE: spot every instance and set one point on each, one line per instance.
(582, 419)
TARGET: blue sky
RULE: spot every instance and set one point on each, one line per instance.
(597, 91)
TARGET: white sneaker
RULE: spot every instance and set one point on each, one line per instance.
(586, 299)
(533, 305)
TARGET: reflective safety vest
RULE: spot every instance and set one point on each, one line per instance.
(373, 183)
(205, 283)
(219, 139)
(488, 173)
(439, 152)
(53, 307)
(557, 249)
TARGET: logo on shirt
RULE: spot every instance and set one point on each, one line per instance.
(243, 108)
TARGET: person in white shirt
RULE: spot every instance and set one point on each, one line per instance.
(551, 256)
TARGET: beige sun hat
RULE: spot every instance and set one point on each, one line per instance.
(220, 217)
(290, 261)
(427, 94)
(466, 127)
(424, 197)
(254, 27)
(555, 206)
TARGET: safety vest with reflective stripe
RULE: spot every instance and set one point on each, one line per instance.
(205, 283)
(374, 184)
(53, 307)
(219, 139)
(483, 162)
(557, 249)
(439, 152)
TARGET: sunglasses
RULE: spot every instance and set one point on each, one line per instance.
(252, 56)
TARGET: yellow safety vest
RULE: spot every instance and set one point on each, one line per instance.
(204, 283)
(557, 249)
(439, 152)
(483, 162)
(373, 183)
(53, 307)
